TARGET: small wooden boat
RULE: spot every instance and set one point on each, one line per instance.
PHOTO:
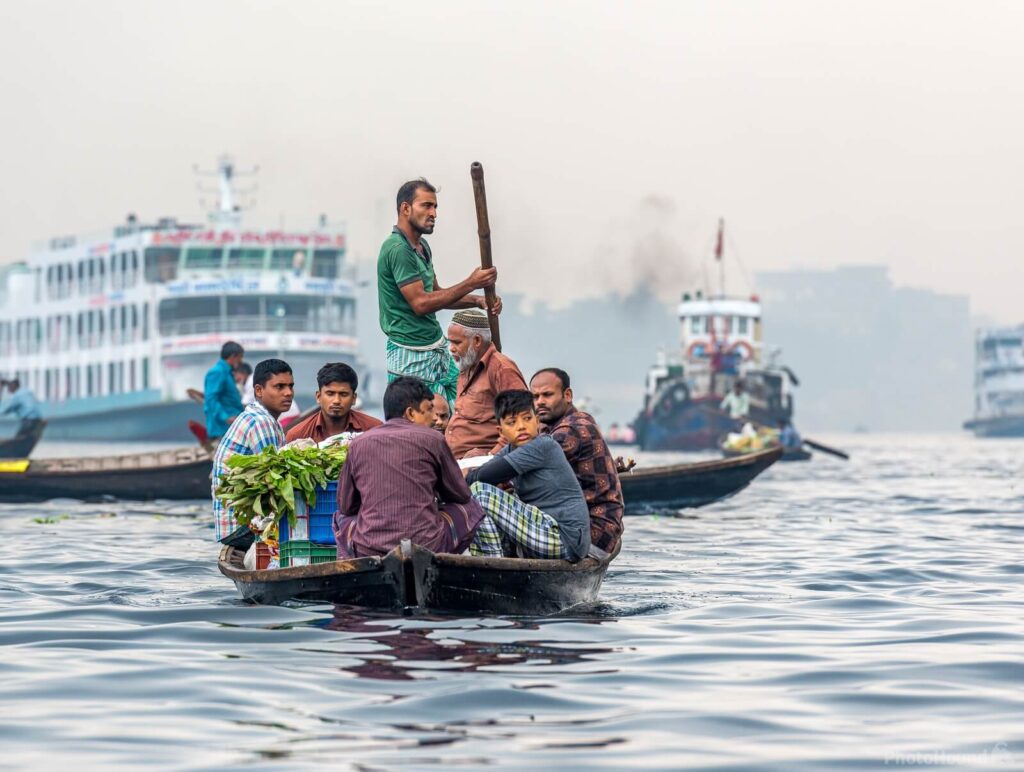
(22, 445)
(413, 577)
(183, 473)
(788, 454)
(682, 486)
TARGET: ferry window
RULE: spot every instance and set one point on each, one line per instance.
(82, 287)
(131, 375)
(49, 396)
(110, 379)
(287, 259)
(145, 321)
(161, 263)
(135, 267)
(145, 373)
(68, 391)
(101, 270)
(246, 306)
(744, 325)
(204, 257)
(115, 276)
(250, 259)
(135, 322)
(325, 263)
(124, 323)
(289, 312)
(696, 324)
(37, 342)
(180, 315)
(88, 381)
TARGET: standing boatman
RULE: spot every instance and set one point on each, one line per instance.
(409, 295)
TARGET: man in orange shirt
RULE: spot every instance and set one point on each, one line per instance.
(484, 372)
(336, 395)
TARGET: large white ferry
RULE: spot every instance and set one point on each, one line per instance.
(998, 383)
(110, 331)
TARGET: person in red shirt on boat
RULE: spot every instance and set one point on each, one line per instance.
(336, 394)
(401, 481)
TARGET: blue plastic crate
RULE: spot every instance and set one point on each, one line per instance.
(321, 517)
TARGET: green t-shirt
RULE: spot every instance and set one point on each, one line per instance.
(399, 264)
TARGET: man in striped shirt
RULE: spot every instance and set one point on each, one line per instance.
(255, 429)
(400, 481)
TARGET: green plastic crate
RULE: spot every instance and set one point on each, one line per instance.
(304, 553)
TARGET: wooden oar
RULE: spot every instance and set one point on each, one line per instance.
(483, 230)
(826, 449)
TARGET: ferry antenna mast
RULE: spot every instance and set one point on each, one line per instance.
(228, 208)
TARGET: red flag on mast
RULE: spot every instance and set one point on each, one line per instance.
(718, 243)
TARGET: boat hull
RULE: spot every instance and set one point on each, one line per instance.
(410, 577)
(694, 424)
(153, 422)
(685, 486)
(180, 474)
(1004, 426)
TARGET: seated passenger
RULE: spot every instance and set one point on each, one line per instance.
(788, 435)
(401, 481)
(442, 413)
(547, 516)
(252, 431)
(483, 372)
(336, 394)
(588, 455)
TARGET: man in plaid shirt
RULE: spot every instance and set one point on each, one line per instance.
(255, 429)
(587, 453)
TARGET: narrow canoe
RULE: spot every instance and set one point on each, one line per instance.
(21, 445)
(683, 486)
(170, 474)
(413, 577)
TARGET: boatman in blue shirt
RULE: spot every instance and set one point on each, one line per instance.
(255, 429)
(24, 406)
(222, 402)
(409, 295)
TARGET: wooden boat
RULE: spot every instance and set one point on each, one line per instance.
(22, 445)
(170, 474)
(788, 454)
(413, 577)
(682, 486)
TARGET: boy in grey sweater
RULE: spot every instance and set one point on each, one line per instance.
(548, 516)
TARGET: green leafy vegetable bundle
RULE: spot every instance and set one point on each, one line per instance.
(265, 484)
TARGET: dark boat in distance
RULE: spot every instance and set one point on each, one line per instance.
(20, 446)
(183, 473)
(411, 577)
(663, 489)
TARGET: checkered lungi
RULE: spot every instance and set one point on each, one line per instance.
(455, 538)
(433, 365)
(511, 526)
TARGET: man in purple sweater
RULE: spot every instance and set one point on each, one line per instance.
(401, 481)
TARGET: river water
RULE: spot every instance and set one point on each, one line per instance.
(857, 615)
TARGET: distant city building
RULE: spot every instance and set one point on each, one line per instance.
(868, 354)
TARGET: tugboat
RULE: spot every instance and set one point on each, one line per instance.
(721, 343)
(998, 383)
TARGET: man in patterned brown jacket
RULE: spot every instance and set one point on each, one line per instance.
(587, 453)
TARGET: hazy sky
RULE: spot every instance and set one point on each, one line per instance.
(613, 134)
